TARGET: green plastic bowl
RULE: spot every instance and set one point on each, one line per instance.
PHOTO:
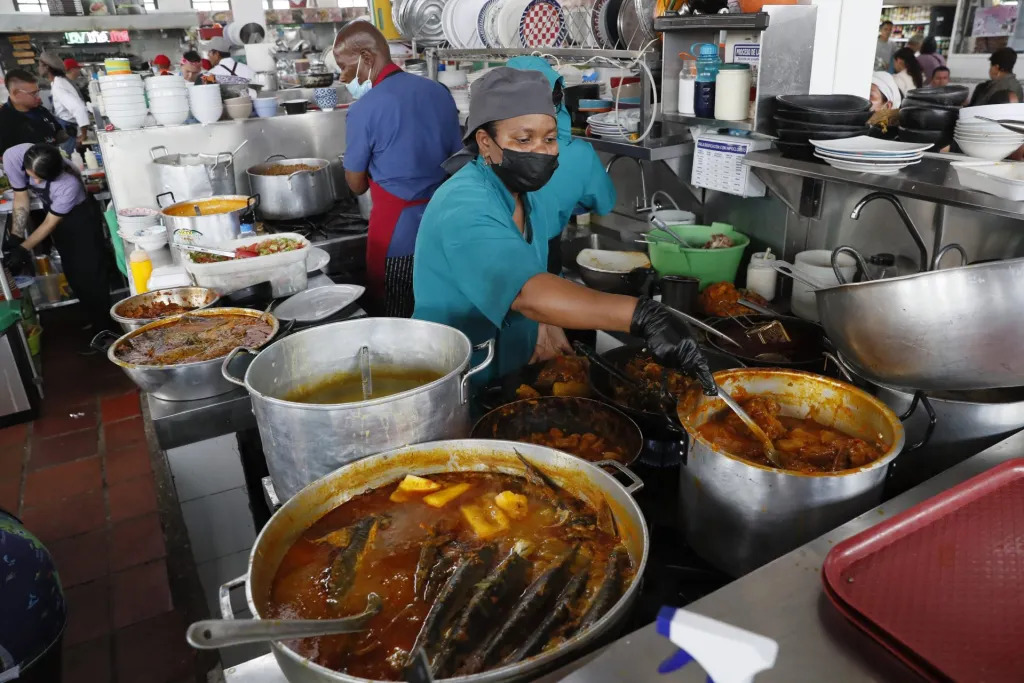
(709, 265)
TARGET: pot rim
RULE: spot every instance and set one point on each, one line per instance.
(532, 664)
(224, 310)
(895, 448)
(144, 321)
(358, 404)
(323, 164)
(994, 265)
(197, 200)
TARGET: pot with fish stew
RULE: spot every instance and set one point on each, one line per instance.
(492, 558)
(835, 443)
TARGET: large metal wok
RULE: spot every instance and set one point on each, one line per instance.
(944, 330)
(311, 503)
(195, 298)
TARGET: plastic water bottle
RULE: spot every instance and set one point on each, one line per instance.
(707, 71)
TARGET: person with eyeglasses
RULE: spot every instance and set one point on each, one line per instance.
(23, 118)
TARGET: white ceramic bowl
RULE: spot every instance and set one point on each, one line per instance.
(994, 139)
(161, 81)
(994, 111)
(126, 109)
(207, 114)
(121, 78)
(452, 79)
(993, 151)
(168, 92)
(127, 121)
(206, 89)
(238, 100)
(239, 111)
(169, 108)
(171, 118)
(123, 102)
(130, 89)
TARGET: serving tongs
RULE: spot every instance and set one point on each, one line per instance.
(211, 634)
(195, 248)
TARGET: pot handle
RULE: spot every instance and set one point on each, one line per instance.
(103, 340)
(489, 346)
(224, 367)
(152, 152)
(272, 156)
(635, 482)
(253, 201)
(922, 399)
(164, 194)
(224, 596)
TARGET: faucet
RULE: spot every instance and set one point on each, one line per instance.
(639, 203)
(911, 228)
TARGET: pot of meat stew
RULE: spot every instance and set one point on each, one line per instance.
(291, 188)
(135, 311)
(179, 358)
(307, 393)
(353, 522)
(836, 443)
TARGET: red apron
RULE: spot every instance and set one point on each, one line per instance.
(387, 209)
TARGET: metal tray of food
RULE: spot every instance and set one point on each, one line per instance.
(939, 585)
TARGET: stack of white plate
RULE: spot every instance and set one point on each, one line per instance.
(864, 154)
(205, 102)
(124, 102)
(986, 140)
(132, 221)
(612, 125)
(167, 99)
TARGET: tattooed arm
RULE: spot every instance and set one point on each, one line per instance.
(20, 219)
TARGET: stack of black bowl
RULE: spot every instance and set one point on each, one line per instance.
(930, 114)
(799, 118)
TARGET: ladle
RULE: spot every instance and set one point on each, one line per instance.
(766, 443)
(214, 633)
(364, 370)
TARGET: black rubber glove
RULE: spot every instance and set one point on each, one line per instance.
(17, 258)
(671, 341)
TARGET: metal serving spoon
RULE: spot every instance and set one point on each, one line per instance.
(766, 443)
(214, 633)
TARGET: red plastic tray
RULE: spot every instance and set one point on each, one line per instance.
(943, 582)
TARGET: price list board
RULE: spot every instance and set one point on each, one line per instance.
(718, 165)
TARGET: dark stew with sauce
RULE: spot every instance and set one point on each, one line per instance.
(804, 445)
(194, 338)
(479, 569)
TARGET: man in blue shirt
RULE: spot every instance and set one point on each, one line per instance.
(481, 255)
(397, 133)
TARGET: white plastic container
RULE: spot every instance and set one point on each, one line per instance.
(817, 264)
(687, 86)
(286, 270)
(1002, 179)
(732, 92)
(761, 277)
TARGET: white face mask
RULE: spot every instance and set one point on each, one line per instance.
(354, 87)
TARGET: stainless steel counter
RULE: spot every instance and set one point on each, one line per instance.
(782, 600)
(931, 180)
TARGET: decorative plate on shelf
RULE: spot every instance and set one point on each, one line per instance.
(542, 24)
(597, 23)
(482, 23)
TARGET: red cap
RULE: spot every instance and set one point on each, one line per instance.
(207, 65)
(162, 60)
(70, 64)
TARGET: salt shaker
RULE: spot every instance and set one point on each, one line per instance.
(760, 274)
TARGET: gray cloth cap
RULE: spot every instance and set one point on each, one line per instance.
(505, 93)
(51, 60)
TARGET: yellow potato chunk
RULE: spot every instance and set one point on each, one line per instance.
(485, 522)
(400, 496)
(439, 499)
(513, 503)
(570, 389)
(414, 484)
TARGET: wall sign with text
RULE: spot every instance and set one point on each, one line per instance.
(95, 37)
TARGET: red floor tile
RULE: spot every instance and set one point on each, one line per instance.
(10, 494)
(88, 662)
(124, 434)
(15, 435)
(136, 541)
(154, 651)
(120, 407)
(88, 611)
(65, 448)
(56, 421)
(81, 558)
(127, 464)
(11, 462)
(62, 481)
(76, 515)
(140, 593)
(132, 498)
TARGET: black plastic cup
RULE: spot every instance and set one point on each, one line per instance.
(680, 292)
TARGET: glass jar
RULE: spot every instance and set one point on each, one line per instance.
(761, 276)
(732, 92)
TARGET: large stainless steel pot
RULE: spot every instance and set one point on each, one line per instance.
(294, 517)
(296, 195)
(195, 297)
(193, 175)
(183, 381)
(211, 226)
(304, 441)
(944, 330)
(739, 515)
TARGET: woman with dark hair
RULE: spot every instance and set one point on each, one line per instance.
(908, 70)
(72, 220)
(930, 59)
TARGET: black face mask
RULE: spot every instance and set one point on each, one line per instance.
(525, 171)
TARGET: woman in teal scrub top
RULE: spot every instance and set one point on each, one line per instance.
(481, 253)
